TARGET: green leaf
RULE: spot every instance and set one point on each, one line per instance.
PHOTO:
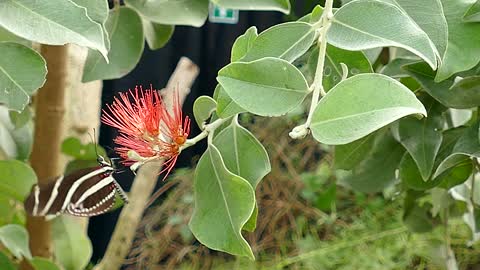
(411, 177)
(6, 263)
(55, 22)
(16, 142)
(473, 13)
(332, 72)
(203, 107)
(347, 156)
(286, 41)
(463, 48)
(157, 35)
(422, 138)
(15, 238)
(97, 11)
(428, 15)
(468, 84)
(465, 147)
(172, 12)
(39, 263)
(251, 84)
(348, 112)
(73, 147)
(72, 246)
(243, 44)
(386, 25)
(20, 119)
(125, 30)
(232, 200)
(226, 107)
(394, 68)
(386, 154)
(5, 35)
(277, 5)
(22, 72)
(244, 156)
(442, 91)
(16, 179)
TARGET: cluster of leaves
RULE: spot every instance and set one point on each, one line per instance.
(373, 114)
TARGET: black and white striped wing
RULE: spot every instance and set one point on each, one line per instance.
(93, 199)
(66, 194)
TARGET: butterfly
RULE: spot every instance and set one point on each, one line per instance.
(85, 192)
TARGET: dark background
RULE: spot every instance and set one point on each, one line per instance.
(208, 47)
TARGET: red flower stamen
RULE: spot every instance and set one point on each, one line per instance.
(147, 127)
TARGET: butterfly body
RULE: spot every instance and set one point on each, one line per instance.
(85, 192)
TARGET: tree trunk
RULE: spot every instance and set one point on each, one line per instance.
(49, 120)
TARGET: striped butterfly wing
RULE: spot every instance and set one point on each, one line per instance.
(66, 194)
(93, 198)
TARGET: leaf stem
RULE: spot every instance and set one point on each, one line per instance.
(206, 131)
(317, 85)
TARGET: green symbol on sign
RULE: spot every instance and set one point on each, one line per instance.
(222, 15)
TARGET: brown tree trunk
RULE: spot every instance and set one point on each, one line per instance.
(49, 120)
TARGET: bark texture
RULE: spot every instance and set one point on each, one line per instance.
(49, 125)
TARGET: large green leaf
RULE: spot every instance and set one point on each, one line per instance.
(243, 44)
(54, 22)
(347, 156)
(287, 41)
(16, 179)
(463, 49)
(473, 13)
(157, 35)
(277, 5)
(203, 107)
(40, 263)
(382, 25)
(226, 107)
(172, 12)
(15, 238)
(244, 156)
(72, 246)
(386, 154)
(360, 105)
(223, 204)
(97, 11)
(274, 80)
(356, 62)
(22, 72)
(124, 27)
(428, 15)
(422, 138)
(463, 98)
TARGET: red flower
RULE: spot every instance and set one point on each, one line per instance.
(147, 129)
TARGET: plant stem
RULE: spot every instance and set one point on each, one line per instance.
(317, 85)
(207, 130)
